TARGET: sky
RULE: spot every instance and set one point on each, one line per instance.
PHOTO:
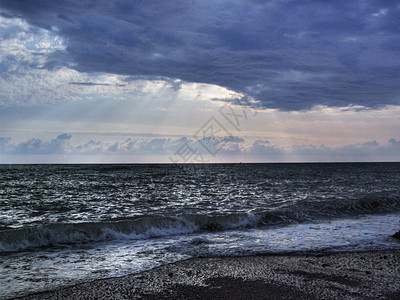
(199, 81)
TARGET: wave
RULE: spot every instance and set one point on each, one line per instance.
(141, 228)
(311, 211)
(28, 238)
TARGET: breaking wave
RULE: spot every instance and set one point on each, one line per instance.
(29, 238)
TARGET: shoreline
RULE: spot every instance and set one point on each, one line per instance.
(316, 275)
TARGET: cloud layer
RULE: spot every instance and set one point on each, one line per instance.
(192, 150)
(290, 55)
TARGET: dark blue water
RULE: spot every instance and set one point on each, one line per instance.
(61, 224)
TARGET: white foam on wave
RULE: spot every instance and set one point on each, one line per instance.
(352, 234)
(145, 227)
(138, 229)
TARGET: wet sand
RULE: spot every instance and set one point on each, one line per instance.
(355, 275)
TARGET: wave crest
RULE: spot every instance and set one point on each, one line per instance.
(21, 239)
(140, 228)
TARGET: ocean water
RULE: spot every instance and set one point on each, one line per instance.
(65, 224)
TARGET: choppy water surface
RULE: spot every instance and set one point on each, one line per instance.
(62, 224)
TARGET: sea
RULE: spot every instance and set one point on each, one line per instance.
(66, 224)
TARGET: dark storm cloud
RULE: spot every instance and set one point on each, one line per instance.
(290, 55)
